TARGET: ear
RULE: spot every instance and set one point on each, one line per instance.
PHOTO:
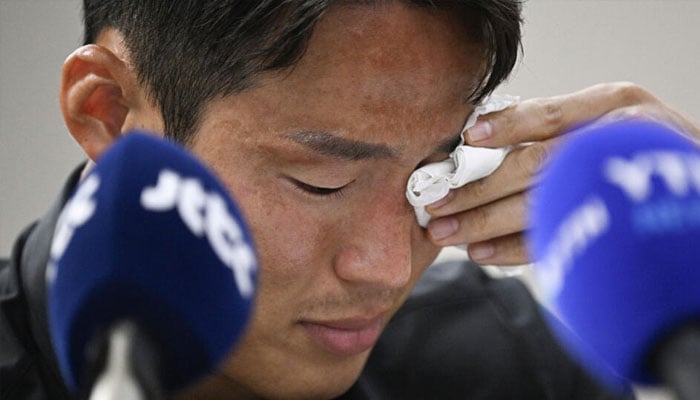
(97, 94)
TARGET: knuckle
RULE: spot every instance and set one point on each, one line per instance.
(503, 122)
(552, 115)
(513, 250)
(514, 243)
(478, 222)
(631, 93)
(533, 157)
(478, 189)
(631, 112)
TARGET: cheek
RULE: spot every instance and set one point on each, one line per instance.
(292, 243)
(289, 241)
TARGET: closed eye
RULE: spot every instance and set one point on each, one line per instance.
(317, 190)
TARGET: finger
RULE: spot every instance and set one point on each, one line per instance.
(504, 250)
(500, 218)
(513, 176)
(657, 113)
(542, 118)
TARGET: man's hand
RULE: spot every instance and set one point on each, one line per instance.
(490, 214)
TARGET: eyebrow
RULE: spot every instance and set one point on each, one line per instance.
(338, 147)
(354, 150)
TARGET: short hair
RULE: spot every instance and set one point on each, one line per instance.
(188, 52)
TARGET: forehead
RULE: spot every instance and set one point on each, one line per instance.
(392, 47)
(373, 73)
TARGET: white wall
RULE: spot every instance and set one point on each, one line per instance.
(572, 44)
(568, 45)
(36, 152)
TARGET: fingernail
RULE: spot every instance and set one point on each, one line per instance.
(443, 227)
(480, 131)
(441, 202)
(481, 251)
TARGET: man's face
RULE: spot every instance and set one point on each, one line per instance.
(318, 157)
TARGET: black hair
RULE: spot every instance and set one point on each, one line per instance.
(187, 52)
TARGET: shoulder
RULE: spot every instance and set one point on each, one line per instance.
(463, 334)
(18, 372)
(25, 371)
(27, 366)
(455, 332)
(463, 296)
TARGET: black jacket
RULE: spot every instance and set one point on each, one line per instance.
(460, 335)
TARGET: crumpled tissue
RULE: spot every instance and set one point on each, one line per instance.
(432, 182)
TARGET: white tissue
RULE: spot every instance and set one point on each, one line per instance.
(432, 182)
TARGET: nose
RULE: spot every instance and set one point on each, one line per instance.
(376, 245)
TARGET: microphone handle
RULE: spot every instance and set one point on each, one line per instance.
(124, 363)
(678, 362)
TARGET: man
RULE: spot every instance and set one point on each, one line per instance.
(314, 114)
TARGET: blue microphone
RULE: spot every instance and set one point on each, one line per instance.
(616, 238)
(150, 237)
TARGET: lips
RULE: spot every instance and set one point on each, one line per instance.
(345, 337)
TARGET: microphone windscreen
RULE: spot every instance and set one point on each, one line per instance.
(152, 236)
(615, 233)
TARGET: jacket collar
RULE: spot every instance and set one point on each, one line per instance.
(33, 260)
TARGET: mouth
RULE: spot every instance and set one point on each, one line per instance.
(346, 337)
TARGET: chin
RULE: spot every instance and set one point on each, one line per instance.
(326, 383)
(307, 394)
(316, 377)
